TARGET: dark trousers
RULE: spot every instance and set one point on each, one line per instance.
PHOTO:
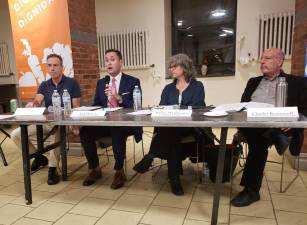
(166, 144)
(257, 155)
(89, 135)
(258, 140)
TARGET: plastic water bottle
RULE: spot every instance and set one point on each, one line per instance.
(56, 103)
(137, 98)
(281, 92)
(206, 173)
(66, 102)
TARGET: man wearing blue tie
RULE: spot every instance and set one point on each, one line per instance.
(114, 90)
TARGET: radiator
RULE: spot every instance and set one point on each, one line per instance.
(5, 69)
(133, 44)
(276, 31)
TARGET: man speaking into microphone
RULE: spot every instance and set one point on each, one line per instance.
(114, 90)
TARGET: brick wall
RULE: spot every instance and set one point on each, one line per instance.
(299, 38)
(82, 20)
(299, 45)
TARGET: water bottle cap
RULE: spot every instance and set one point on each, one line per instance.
(281, 79)
(136, 86)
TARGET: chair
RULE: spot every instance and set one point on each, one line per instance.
(191, 139)
(106, 142)
(185, 140)
(6, 135)
(282, 163)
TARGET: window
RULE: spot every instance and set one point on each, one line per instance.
(206, 31)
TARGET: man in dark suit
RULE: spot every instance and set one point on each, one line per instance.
(115, 90)
(262, 89)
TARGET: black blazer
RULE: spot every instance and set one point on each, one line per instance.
(126, 86)
(297, 96)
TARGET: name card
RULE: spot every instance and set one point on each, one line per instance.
(273, 114)
(35, 111)
(171, 112)
(85, 114)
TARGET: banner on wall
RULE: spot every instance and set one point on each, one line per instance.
(39, 27)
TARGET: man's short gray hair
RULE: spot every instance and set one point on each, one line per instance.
(186, 63)
(281, 54)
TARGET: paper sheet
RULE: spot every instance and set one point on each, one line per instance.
(112, 109)
(5, 116)
(140, 112)
(233, 107)
(86, 108)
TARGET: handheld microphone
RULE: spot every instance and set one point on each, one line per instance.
(107, 79)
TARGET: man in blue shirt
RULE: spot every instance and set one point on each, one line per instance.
(57, 82)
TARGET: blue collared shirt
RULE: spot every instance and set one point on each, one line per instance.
(47, 87)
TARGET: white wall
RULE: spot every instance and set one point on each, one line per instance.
(155, 16)
(124, 14)
(6, 36)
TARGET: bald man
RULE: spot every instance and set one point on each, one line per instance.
(262, 89)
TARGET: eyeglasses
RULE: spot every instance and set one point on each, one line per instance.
(172, 67)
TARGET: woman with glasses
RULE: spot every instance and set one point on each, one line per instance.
(184, 91)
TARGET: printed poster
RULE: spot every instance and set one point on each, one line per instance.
(39, 27)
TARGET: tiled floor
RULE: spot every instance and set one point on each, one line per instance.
(144, 199)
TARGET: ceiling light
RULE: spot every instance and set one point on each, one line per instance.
(223, 35)
(179, 23)
(188, 28)
(218, 13)
(228, 31)
(190, 35)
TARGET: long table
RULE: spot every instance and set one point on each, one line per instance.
(121, 118)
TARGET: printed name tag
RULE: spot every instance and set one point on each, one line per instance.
(96, 113)
(273, 114)
(171, 112)
(35, 111)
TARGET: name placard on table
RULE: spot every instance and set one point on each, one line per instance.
(273, 114)
(171, 113)
(35, 111)
(88, 114)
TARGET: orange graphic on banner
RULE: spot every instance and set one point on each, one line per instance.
(40, 27)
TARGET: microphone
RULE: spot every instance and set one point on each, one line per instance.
(107, 79)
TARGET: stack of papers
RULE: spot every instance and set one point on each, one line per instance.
(237, 107)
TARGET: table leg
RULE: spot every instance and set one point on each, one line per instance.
(219, 176)
(63, 152)
(26, 163)
(39, 137)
